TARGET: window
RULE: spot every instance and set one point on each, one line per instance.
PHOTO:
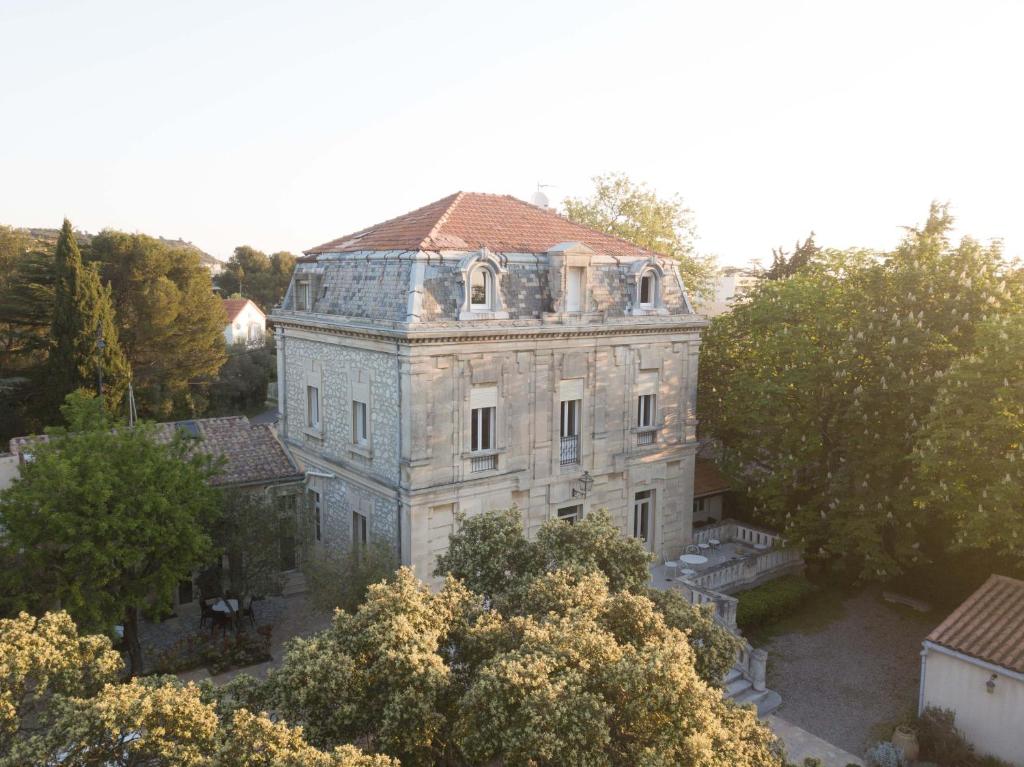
(698, 506)
(574, 289)
(288, 550)
(359, 423)
(482, 429)
(648, 290)
(358, 530)
(481, 286)
(570, 514)
(313, 407)
(302, 297)
(642, 507)
(314, 502)
(570, 432)
(645, 404)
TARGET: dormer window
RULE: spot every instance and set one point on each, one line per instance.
(481, 289)
(302, 296)
(648, 290)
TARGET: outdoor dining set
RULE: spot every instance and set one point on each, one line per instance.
(226, 612)
(694, 555)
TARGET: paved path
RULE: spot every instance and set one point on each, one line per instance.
(801, 744)
(853, 678)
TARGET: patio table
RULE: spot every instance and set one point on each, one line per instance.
(693, 559)
(225, 606)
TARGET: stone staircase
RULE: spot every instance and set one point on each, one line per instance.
(739, 689)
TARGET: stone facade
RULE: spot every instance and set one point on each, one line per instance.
(397, 331)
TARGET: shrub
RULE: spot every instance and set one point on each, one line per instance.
(216, 654)
(772, 601)
(885, 755)
(942, 743)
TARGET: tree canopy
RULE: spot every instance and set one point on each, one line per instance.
(624, 208)
(105, 520)
(253, 274)
(816, 388)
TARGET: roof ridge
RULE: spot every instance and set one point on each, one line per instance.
(442, 220)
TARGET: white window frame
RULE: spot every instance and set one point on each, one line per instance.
(571, 416)
(313, 415)
(577, 275)
(651, 278)
(303, 296)
(488, 278)
(360, 423)
(483, 421)
(646, 411)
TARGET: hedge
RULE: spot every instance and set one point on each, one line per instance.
(772, 601)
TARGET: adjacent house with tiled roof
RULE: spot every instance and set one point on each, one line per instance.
(246, 322)
(481, 352)
(973, 664)
(709, 489)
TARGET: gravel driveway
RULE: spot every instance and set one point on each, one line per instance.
(844, 680)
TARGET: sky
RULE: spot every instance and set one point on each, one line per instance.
(283, 125)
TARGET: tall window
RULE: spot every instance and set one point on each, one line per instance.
(482, 429)
(645, 405)
(648, 290)
(574, 289)
(359, 424)
(358, 530)
(313, 407)
(481, 287)
(642, 508)
(570, 432)
(314, 502)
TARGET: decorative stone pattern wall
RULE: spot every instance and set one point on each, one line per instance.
(339, 367)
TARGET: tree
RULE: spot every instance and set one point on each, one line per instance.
(786, 265)
(586, 677)
(84, 338)
(816, 386)
(241, 384)
(341, 579)
(106, 521)
(253, 274)
(248, 531)
(970, 452)
(626, 209)
(171, 322)
(43, 657)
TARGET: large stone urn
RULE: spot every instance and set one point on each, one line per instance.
(906, 740)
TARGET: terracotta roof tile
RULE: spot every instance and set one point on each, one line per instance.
(470, 221)
(707, 479)
(234, 306)
(989, 625)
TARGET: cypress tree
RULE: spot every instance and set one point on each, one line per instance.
(83, 312)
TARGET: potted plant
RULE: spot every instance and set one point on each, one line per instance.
(905, 737)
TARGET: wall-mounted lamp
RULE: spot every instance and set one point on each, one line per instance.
(990, 685)
(583, 485)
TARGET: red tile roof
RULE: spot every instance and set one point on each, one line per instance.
(469, 221)
(234, 306)
(989, 625)
(707, 479)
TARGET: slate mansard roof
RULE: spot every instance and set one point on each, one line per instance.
(371, 275)
(989, 625)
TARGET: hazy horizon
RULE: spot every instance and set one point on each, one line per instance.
(283, 127)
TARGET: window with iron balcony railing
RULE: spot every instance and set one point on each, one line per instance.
(646, 437)
(570, 450)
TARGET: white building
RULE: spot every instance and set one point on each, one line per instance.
(973, 664)
(480, 353)
(731, 284)
(246, 322)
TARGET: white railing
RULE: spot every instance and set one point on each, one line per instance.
(747, 570)
(731, 530)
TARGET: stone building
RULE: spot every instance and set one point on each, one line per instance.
(479, 353)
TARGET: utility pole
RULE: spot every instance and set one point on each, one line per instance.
(100, 346)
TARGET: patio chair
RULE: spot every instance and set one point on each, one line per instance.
(206, 612)
(692, 549)
(246, 610)
(222, 621)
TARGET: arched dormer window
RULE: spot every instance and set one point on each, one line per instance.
(648, 283)
(482, 294)
(481, 289)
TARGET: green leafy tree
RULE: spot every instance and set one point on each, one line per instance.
(787, 264)
(106, 521)
(241, 384)
(248, 531)
(171, 322)
(816, 386)
(83, 335)
(341, 579)
(257, 276)
(41, 658)
(586, 677)
(632, 211)
(970, 452)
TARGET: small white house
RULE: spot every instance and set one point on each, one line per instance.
(973, 664)
(246, 322)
